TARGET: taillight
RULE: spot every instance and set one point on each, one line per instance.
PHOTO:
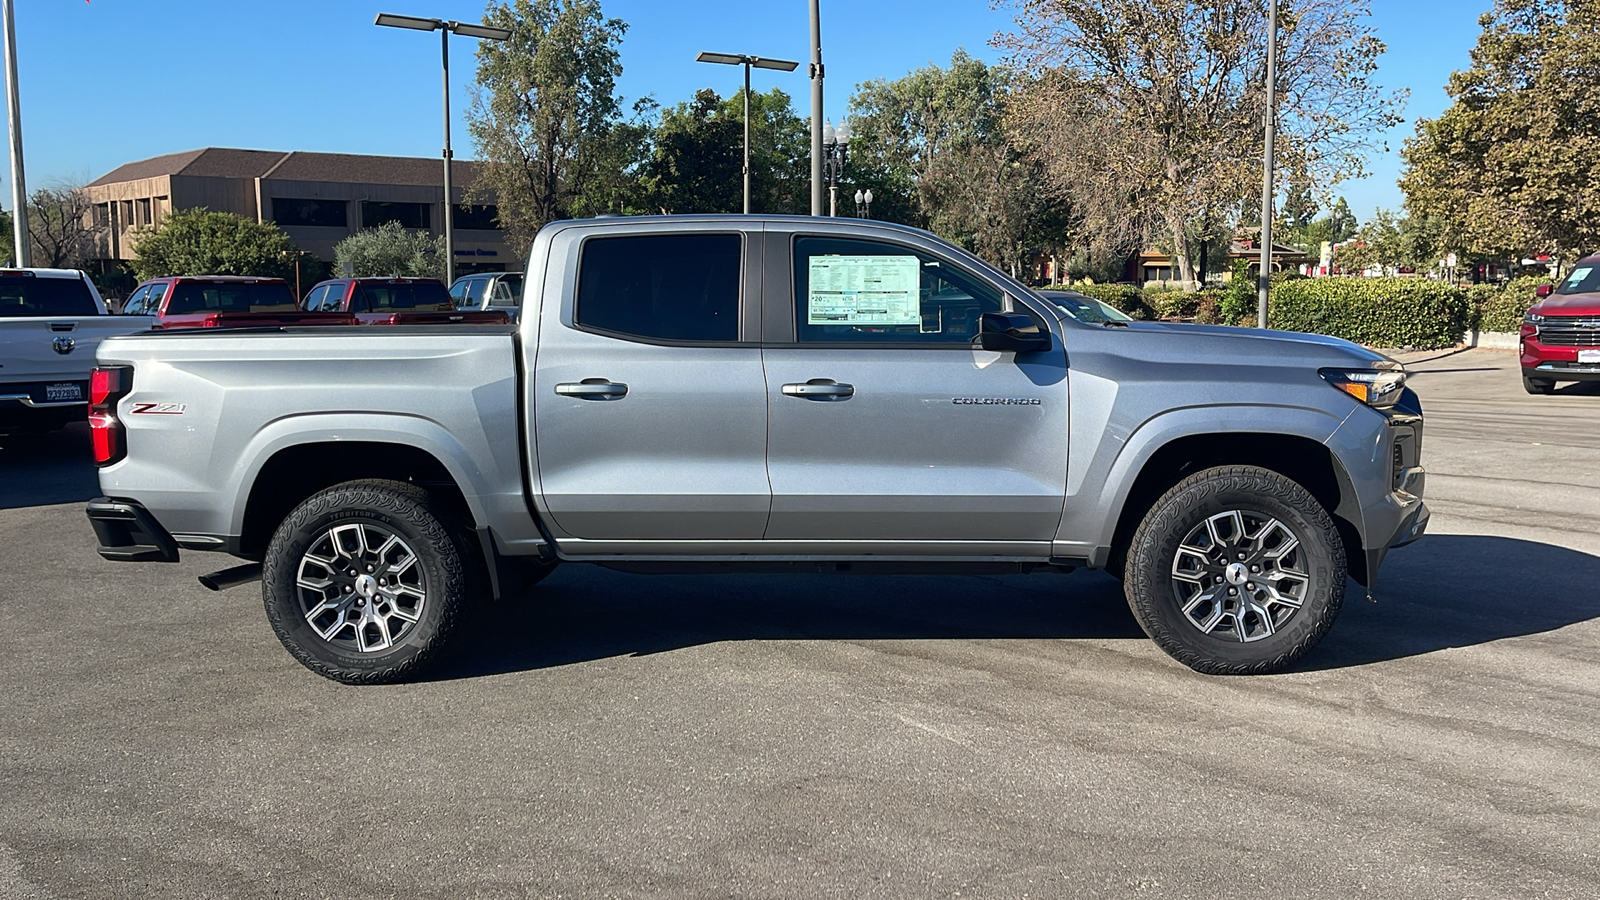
(107, 385)
(211, 322)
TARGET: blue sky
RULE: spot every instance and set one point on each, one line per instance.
(113, 81)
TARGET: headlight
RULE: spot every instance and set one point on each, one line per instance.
(1379, 386)
(1532, 318)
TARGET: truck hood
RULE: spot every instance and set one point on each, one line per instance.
(1250, 345)
(1568, 305)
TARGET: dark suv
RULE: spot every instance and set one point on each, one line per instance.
(1561, 333)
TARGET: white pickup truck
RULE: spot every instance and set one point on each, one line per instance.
(51, 322)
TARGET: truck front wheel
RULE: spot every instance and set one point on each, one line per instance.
(364, 582)
(1236, 570)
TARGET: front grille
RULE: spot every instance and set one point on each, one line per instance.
(1570, 331)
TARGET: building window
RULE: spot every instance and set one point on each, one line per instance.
(478, 218)
(141, 211)
(409, 215)
(127, 213)
(317, 213)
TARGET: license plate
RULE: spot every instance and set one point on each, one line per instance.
(58, 392)
(1589, 356)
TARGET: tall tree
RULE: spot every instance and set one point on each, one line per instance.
(938, 139)
(391, 249)
(202, 242)
(1510, 168)
(545, 111)
(62, 227)
(1151, 112)
(697, 158)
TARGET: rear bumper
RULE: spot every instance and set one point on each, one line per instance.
(129, 533)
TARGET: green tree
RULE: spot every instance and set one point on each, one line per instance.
(1342, 224)
(1510, 168)
(391, 249)
(697, 158)
(935, 150)
(202, 242)
(545, 112)
(8, 239)
(1151, 112)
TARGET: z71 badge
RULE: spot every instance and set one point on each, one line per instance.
(158, 409)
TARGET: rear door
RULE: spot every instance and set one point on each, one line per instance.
(649, 404)
(888, 422)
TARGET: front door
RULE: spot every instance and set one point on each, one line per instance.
(650, 409)
(889, 424)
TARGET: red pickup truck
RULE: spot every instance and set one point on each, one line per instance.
(395, 301)
(222, 301)
(1561, 333)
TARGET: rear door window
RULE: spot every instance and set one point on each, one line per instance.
(28, 294)
(682, 287)
(406, 295)
(507, 291)
(205, 297)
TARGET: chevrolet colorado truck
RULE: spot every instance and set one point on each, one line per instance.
(744, 393)
(51, 320)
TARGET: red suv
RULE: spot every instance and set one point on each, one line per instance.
(395, 301)
(1561, 333)
(221, 301)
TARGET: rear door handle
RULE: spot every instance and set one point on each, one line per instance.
(593, 389)
(820, 389)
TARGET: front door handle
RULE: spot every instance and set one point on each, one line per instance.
(820, 389)
(593, 389)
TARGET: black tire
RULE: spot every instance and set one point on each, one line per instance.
(1538, 385)
(1255, 621)
(431, 570)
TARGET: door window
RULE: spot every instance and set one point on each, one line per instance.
(681, 287)
(475, 291)
(158, 292)
(855, 291)
(315, 299)
(135, 305)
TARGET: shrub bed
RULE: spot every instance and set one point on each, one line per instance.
(1378, 312)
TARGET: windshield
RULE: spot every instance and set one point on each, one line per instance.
(234, 297)
(1585, 279)
(31, 295)
(1085, 309)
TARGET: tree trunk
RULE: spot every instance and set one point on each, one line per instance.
(1180, 252)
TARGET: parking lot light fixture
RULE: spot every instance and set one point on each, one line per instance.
(760, 62)
(482, 32)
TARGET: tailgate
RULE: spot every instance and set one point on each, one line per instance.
(39, 350)
(464, 317)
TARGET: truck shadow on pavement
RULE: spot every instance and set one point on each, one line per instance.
(47, 469)
(1445, 591)
(1454, 590)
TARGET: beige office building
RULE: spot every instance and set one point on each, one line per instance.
(318, 199)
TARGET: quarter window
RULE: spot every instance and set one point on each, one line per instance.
(869, 292)
(661, 287)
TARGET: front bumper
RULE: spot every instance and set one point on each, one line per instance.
(1557, 362)
(129, 533)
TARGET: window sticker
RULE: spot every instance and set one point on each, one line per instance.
(864, 290)
(1579, 274)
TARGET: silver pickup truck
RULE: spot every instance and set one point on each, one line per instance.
(716, 393)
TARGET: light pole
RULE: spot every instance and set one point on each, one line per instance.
(864, 204)
(836, 150)
(738, 59)
(444, 28)
(1264, 288)
(816, 108)
(19, 188)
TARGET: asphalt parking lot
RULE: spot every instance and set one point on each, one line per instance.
(777, 736)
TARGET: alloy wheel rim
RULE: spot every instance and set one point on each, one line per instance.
(361, 587)
(1240, 575)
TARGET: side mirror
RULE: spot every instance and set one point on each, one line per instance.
(1544, 290)
(1012, 331)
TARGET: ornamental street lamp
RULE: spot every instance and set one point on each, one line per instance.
(737, 59)
(444, 28)
(836, 151)
(864, 204)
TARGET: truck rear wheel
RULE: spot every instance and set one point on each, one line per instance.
(365, 582)
(1236, 570)
(1538, 385)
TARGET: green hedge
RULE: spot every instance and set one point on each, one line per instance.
(1379, 312)
(1504, 309)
